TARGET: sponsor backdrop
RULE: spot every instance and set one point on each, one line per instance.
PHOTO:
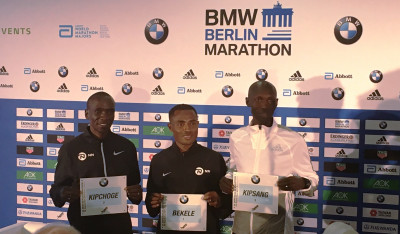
(335, 66)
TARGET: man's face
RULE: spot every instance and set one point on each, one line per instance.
(263, 103)
(100, 114)
(184, 126)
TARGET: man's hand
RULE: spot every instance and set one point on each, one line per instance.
(212, 199)
(135, 193)
(226, 185)
(291, 183)
(156, 199)
(70, 193)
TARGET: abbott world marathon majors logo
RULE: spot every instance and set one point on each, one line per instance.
(156, 31)
(348, 30)
(244, 32)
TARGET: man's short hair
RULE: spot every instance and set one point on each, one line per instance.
(262, 84)
(98, 95)
(180, 107)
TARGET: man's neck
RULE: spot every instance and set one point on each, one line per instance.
(265, 122)
(183, 148)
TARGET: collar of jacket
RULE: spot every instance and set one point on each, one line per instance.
(268, 130)
(92, 138)
(176, 149)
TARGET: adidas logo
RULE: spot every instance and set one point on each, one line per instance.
(60, 127)
(296, 77)
(341, 154)
(92, 73)
(382, 141)
(157, 91)
(375, 96)
(3, 71)
(29, 138)
(190, 75)
(63, 89)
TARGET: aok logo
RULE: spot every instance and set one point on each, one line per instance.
(29, 175)
(301, 208)
(381, 184)
(158, 131)
(341, 196)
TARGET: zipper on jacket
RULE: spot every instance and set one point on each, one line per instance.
(255, 169)
(104, 160)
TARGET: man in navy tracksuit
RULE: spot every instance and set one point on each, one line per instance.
(96, 153)
(186, 167)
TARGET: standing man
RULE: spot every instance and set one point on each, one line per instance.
(97, 152)
(264, 147)
(173, 170)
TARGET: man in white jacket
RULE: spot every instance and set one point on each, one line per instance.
(264, 147)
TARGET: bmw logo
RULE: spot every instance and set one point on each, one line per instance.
(35, 86)
(383, 125)
(380, 198)
(376, 76)
(228, 119)
(348, 30)
(158, 73)
(103, 182)
(127, 89)
(184, 199)
(29, 187)
(300, 221)
(303, 122)
(255, 179)
(337, 93)
(157, 144)
(156, 31)
(29, 112)
(63, 71)
(261, 74)
(227, 91)
(339, 210)
(157, 117)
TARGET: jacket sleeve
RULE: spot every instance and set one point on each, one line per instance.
(134, 175)
(63, 176)
(232, 163)
(226, 199)
(302, 166)
(151, 188)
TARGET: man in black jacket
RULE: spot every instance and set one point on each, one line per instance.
(186, 167)
(97, 152)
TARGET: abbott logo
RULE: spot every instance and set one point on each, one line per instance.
(371, 169)
(329, 75)
(116, 129)
(219, 74)
(287, 92)
(66, 31)
(181, 90)
(119, 72)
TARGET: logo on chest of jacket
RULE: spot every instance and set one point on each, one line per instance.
(83, 156)
(276, 148)
(200, 171)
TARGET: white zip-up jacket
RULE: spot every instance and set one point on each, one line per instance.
(275, 150)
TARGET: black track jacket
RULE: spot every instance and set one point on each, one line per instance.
(82, 158)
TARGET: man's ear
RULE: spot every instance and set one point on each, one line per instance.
(86, 114)
(247, 101)
(169, 126)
